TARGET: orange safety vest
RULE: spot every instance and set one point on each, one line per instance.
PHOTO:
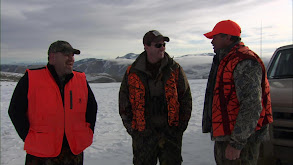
(225, 103)
(137, 99)
(50, 118)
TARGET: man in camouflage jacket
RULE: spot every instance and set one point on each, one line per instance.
(237, 106)
(155, 104)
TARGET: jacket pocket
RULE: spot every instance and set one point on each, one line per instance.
(41, 142)
(81, 137)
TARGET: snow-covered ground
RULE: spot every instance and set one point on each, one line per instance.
(112, 144)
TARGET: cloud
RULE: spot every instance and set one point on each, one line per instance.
(111, 28)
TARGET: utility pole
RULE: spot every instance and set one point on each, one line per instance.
(261, 39)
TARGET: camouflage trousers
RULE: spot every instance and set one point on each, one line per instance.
(147, 150)
(248, 156)
(66, 157)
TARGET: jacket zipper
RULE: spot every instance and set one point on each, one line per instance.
(71, 103)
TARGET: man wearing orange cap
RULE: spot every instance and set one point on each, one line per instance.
(237, 107)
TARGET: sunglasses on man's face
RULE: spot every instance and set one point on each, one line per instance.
(160, 45)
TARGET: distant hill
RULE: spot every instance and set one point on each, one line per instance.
(196, 66)
(9, 76)
(128, 56)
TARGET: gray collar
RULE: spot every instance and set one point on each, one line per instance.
(223, 52)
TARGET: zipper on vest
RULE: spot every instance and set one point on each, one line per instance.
(71, 100)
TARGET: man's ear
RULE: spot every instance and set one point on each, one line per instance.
(228, 37)
(52, 58)
(145, 46)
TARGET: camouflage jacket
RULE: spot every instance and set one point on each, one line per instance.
(155, 87)
(247, 77)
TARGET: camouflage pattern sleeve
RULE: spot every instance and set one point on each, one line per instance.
(124, 105)
(185, 100)
(247, 77)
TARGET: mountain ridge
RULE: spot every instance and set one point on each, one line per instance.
(196, 66)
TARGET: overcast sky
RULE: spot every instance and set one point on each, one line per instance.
(106, 29)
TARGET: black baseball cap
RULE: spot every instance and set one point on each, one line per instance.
(154, 36)
(62, 46)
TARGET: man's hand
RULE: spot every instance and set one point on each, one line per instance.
(232, 153)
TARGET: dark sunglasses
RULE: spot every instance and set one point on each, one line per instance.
(160, 45)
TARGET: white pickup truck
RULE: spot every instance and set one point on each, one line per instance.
(280, 75)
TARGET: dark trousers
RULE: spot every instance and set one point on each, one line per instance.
(147, 150)
(248, 156)
(66, 157)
